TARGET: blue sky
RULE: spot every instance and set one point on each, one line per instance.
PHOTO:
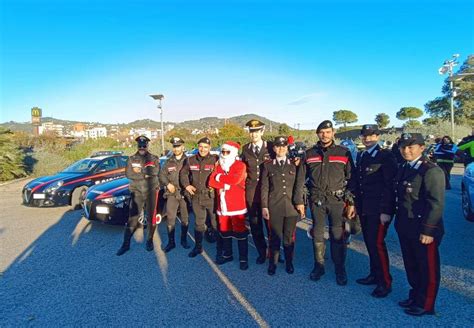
(290, 61)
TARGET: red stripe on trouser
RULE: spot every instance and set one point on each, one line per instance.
(381, 250)
(431, 287)
(153, 218)
(234, 223)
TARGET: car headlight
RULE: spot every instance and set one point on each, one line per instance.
(115, 200)
(54, 186)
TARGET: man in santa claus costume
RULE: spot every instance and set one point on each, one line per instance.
(229, 181)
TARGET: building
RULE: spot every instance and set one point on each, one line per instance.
(96, 132)
(50, 127)
(150, 134)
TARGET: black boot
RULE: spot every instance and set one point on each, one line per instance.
(318, 270)
(338, 255)
(272, 261)
(262, 255)
(211, 235)
(127, 236)
(198, 235)
(227, 255)
(149, 241)
(243, 253)
(184, 236)
(289, 259)
(219, 248)
(171, 241)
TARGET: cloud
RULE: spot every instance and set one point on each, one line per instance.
(305, 99)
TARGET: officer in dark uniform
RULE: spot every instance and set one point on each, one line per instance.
(373, 184)
(174, 195)
(420, 188)
(278, 180)
(142, 171)
(194, 177)
(328, 168)
(254, 154)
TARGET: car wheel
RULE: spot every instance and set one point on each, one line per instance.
(466, 205)
(78, 197)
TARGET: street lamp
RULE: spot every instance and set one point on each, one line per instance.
(448, 68)
(159, 98)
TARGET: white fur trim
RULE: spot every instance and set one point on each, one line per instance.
(239, 212)
(226, 186)
(218, 176)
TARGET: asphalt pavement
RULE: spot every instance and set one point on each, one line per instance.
(59, 269)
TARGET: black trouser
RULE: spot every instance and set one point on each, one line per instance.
(204, 208)
(334, 211)
(374, 233)
(281, 228)
(172, 205)
(422, 267)
(256, 228)
(446, 167)
(141, 199)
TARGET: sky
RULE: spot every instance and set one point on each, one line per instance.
(290, 61)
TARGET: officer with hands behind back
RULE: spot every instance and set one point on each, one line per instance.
(142, 171)
(328, 169)
(174, 195)
(419, 205)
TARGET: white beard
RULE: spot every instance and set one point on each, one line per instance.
(226, 162)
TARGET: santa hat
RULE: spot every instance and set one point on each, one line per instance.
(231, 145)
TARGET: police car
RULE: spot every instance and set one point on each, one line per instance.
(467, 187)
(69, 186)
(108, 202)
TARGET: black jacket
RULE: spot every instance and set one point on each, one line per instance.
(372, 182)
(419, 201)
(196, 171)
(277, 188)
(169, 173)
(328, 171)
(149, 165)
(254, 168)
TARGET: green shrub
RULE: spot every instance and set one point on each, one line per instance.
(11, 160)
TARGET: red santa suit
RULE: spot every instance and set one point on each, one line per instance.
(229, 181)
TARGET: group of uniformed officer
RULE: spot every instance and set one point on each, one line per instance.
(373, 189)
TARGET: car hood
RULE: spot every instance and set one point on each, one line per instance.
(114, 188)
(43, 182)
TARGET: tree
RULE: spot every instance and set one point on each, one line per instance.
(344, 116)
(410, 114)
(412, 124)
(284, 130)
(231, 131)
(440, 107)
(430, 121)
(382, 119)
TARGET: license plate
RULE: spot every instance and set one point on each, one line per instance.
(39, 196)
(102, 210)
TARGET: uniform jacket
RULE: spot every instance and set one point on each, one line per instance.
(196, 171)
(372, 182)
(419, 201)
(277, 188)
(169, 173)
(254, 166)
(230, 187)
(148, 165)
(327, 170)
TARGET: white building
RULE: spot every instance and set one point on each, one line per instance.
(94, 133)
(150, 134)
(46, 127)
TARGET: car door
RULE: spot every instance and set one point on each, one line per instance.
(106, 170)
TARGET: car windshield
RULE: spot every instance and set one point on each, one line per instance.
(84, 165)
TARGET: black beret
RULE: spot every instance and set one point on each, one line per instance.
(255, 125)
(324, 125)
(408, 139)
(176, 141)
(142, 141)
(205, 140)
(280, 141)
(369, 129)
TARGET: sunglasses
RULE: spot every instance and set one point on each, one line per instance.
(225, 152)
